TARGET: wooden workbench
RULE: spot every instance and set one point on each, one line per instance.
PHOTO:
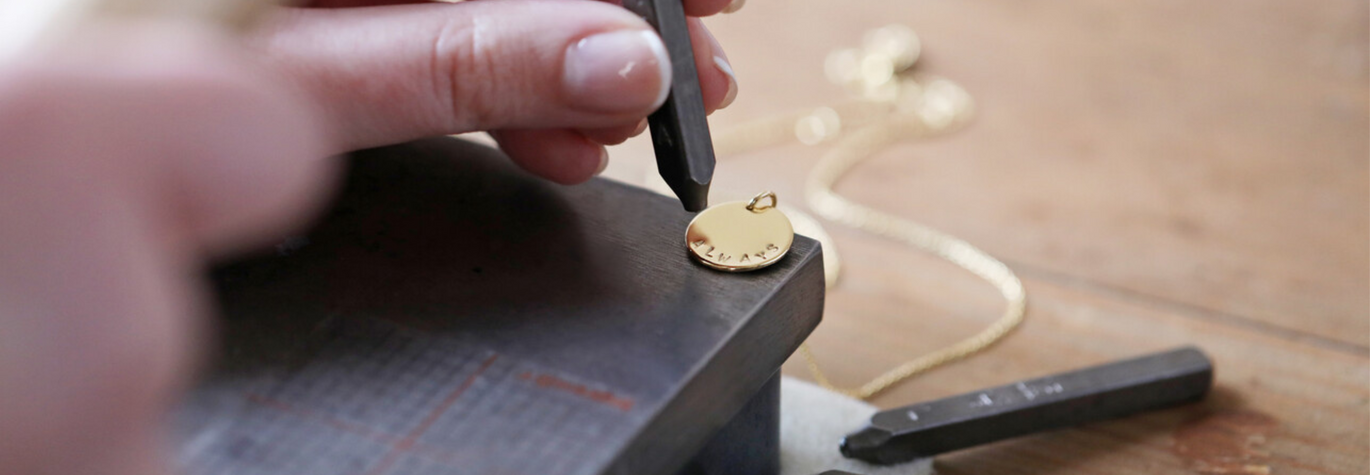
(1159, 173)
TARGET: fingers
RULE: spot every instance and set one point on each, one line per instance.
(389, 74)
(717, 80)
(227, 153)
(615, 135)
(698, 8)
(692, 7)
(556, 79)
(559, 155)
(127, 157)
(255, 164)
(355, 3)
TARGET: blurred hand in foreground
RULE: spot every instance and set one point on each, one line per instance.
(135, 150)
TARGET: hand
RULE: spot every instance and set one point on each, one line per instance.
(553, 80)
(135, 151)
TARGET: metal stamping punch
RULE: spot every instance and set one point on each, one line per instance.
(1062, 400)
(680, 129)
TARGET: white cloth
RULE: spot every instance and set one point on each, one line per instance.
(812, 422)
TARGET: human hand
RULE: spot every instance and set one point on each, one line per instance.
(135, 151)
(554, 81)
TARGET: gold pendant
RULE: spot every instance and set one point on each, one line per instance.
(740, 236)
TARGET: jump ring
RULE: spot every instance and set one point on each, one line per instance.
(755, 208)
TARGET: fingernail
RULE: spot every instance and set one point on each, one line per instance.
(641, 127)
(735, 6)
(723, 66)
(603, 160)
(619, 71)
(727, 70)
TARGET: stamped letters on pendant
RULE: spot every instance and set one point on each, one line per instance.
(708, 251)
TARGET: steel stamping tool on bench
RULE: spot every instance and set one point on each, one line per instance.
(1092, 394)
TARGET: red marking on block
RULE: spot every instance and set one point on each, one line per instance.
(398, 445)
(601, 396)
(435, 454)
(335, 422)
(407, 443)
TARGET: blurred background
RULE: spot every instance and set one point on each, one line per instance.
(1158, 173)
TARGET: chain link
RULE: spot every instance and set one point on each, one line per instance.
(890, 109)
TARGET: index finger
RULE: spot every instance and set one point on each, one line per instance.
(698, 8)
(701, 8)
(710, 7)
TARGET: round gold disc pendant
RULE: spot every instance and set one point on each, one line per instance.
(740, 236)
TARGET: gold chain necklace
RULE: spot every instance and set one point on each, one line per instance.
(891, 107)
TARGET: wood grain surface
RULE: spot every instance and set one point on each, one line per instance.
(1159, 173)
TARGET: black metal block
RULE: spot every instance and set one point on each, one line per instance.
(454, 315)
(750, 443)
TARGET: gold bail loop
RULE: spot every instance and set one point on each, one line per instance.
(752, 205)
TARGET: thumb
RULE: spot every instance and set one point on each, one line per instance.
(394, 73)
